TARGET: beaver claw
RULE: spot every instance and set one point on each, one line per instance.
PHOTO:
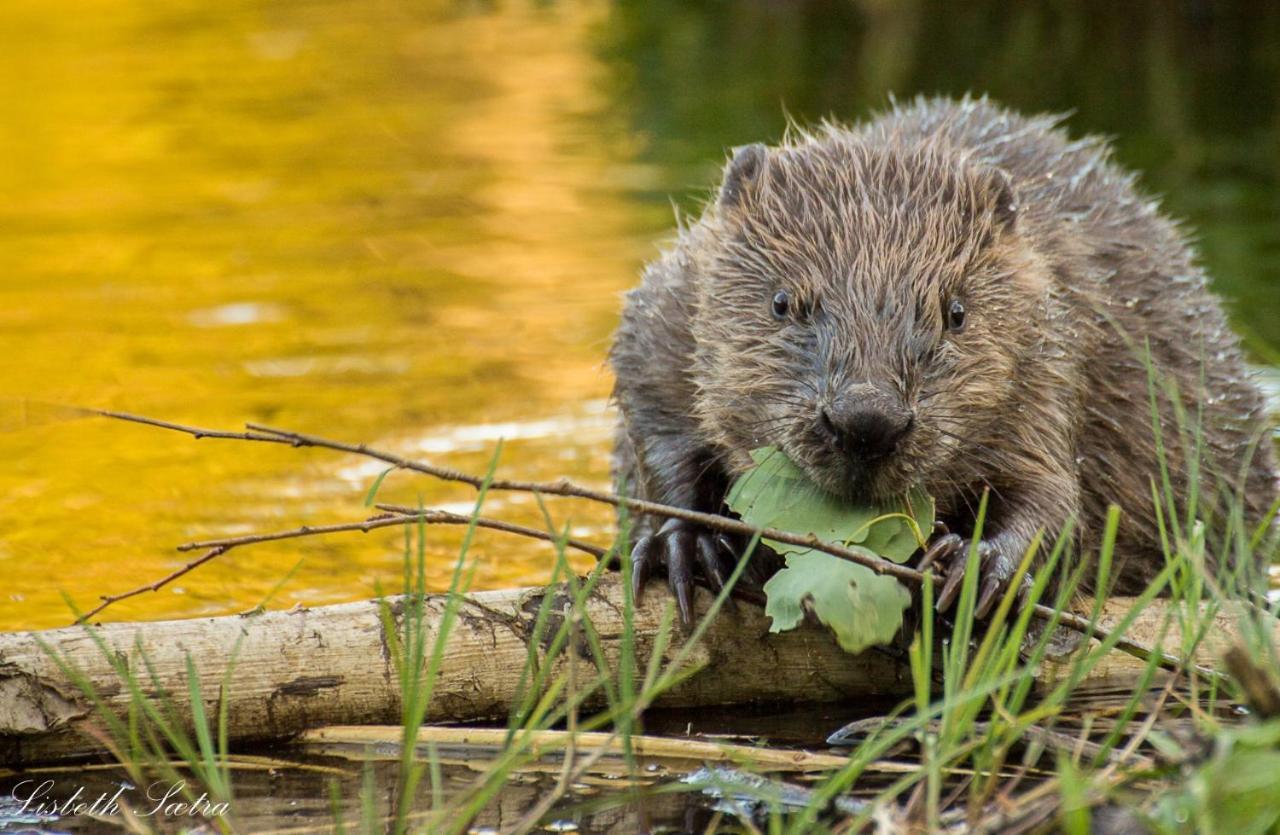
(681, 546)
(994, 566)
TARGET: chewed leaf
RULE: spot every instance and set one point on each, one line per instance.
(862, 608)
(777, 494)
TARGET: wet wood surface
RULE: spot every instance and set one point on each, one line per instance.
(304, 668)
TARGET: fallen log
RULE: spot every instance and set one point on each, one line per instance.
(332, 665)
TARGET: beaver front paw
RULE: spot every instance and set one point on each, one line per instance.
(995, 567)
(680, 547)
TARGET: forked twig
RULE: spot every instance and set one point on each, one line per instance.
(561, 487)
(565, 488)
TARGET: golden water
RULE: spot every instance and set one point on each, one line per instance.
(342, 218)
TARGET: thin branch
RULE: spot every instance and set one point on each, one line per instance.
(561, 487)
(393, 517)
(218, 547)
(568, 489)
(108, 599)
(193, 431)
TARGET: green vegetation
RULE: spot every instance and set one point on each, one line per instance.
(861, 607)
(990, 751)
(978, 746)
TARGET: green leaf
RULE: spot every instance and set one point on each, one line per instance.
(861, 607)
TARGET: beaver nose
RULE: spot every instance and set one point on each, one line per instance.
(866, 431)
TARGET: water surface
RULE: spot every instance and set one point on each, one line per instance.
(410, 225)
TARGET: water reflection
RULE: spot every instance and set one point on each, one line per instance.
(410, 226)
(1189, 91)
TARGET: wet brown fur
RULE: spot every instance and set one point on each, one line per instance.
(1068, 276)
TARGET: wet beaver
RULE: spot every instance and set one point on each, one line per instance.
(953, 296)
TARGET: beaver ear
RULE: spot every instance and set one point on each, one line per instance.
(998, 189)
(743, 170)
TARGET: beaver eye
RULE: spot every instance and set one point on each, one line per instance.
(781, 304)
(955, 315)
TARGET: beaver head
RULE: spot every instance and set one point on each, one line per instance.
(866, 310)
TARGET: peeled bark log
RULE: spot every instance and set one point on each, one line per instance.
(331, 665)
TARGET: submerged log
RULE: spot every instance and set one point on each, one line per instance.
(473, 746)
(332, 665)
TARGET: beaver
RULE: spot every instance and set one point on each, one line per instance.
(950, 296)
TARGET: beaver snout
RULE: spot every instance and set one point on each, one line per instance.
(865, 428)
